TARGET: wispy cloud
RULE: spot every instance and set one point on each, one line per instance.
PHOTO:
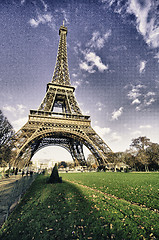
(17, 124)
(9, 109)
(86, 67)
(41, 19)
(139, 96)
(148, 102)
(134, 93)
(98, 40)
(145, 126)
(136, 133)
(65, 15)
(45, 5)
(157, 56)
(92, 61)
(117, 113)
(77, 83)
(142, 66)
(146, 17)
(136, 101)
(19, 109)
(99, 106)
(22, 2)
(115, 137)
(102, 131)
(15, 115)
(150, 94)
(146, 20)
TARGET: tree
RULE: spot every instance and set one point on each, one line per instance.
(6, 132)
(62, 164)
(70, 165)
(153, 155)
(141, 143)
(115, 158)
(90, 160)
(129, 158)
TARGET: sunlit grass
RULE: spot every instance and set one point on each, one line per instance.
(140, 188)
(70, 211)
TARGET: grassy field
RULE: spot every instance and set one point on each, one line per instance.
(142, 188)
(73, 211)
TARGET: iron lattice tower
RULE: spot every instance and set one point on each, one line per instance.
(68, 127)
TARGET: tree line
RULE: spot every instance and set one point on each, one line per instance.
(143, 155)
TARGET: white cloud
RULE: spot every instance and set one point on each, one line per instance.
(45, 5)
(149, 102)
(157, 56)
(74, 75)
(142, 66)
(146, 17)
(145, 20)
(17, 124)
(99, 106)
(44, 18)
(22, 2)
(96, 60)
(145, 126)
(150, 94)
(117, 113)
(19, 109)
(136, 133)
(136, 101)
(115, 137)
(77, 83)
(86, 67)
(65, 16)
(92, 60)
(9, 109)
(98, 40)
(138, 108)
(140, 96)
(102, 131)
(134, 93)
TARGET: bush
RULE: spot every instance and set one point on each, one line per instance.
(54, 177)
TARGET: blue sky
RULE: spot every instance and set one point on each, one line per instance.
(113, 57)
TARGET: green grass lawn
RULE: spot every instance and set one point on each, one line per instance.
(142, 188)
(70, 211)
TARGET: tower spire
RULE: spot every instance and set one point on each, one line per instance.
(61, 72)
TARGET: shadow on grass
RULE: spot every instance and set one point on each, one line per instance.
(54, 211)
(58, 211)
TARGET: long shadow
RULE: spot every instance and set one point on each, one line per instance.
(58, 211)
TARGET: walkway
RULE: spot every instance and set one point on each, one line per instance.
(11, 190)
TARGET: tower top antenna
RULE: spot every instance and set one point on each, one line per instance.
(63, 22)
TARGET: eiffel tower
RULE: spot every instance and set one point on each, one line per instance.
(59, 120)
